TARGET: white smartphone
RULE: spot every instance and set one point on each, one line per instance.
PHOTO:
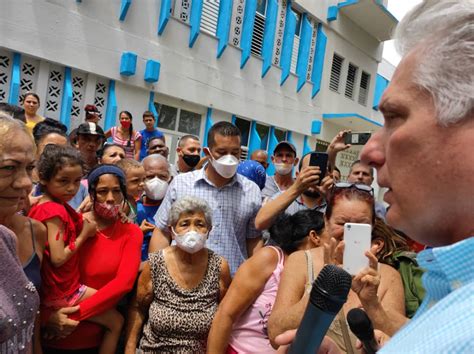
(357, 239)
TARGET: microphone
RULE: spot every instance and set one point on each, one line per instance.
(327, 296)
(361, 326)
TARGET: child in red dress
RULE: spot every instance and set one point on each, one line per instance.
(60, 171)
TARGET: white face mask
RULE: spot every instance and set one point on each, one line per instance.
(283, 168)
(155, 188)
(190, 241)
(226, 165)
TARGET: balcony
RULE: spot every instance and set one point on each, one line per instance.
(370, 15)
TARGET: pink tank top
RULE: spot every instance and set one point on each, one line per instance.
(129, 149)
(249, 334)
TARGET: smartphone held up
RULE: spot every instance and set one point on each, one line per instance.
(356, 138)
(357, 241)
(319, 159)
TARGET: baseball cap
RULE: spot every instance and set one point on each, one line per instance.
(90, 129)
(90, 108)
(286, 144)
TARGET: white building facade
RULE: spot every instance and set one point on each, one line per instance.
(299, 70)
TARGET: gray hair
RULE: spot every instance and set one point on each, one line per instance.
(443, 32)
(8, 125)
(189, 204)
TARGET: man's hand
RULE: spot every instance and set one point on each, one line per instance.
(328, 346)
(146, 226)
(326, 185)
(337, 144)
(59, 325)
(307, 177)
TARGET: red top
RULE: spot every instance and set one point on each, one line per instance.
(59, 282)
(109, 263)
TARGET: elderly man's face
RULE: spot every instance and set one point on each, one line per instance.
(428, 168)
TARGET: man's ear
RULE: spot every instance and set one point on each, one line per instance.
(206, 151)
(272, 158)
(296, 161)
(178, 149)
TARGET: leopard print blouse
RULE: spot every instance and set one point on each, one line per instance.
(179, 319)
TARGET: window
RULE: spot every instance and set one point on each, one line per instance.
(364, 88)
(280, 134)
(258, 28)
(244, 126)
(264, 133)
(350, 81)
(176, 119)
(210, 14)
(335, 72)
(296, 42)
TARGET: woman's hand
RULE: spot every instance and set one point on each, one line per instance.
(366, 283)
(85, 206)
(59, 325)
(328, 346)
(333, 251)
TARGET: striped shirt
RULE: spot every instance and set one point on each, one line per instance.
(444, 323)
(129, 150)
(234, 207)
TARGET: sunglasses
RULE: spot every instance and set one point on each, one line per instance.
(358, 186)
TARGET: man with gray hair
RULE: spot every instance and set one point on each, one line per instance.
(423, 155)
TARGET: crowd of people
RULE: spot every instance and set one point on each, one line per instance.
(108, 248)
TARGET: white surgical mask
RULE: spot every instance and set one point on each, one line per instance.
(283, 168)
(226, 165)
(155, 188)
(190, 241)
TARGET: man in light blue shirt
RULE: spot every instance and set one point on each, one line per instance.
(424, 156)
(234, 199)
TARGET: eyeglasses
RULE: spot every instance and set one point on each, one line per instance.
(358, 186)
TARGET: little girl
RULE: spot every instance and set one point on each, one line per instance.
(60, 172)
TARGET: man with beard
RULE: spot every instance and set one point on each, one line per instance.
(303, 194)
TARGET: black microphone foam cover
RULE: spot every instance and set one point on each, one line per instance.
(360, 324)
(330, 289)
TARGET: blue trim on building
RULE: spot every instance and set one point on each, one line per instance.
(381, 84)
(195, 21)
(255, 142)
(234, 118)
(306, 148)
(347, 115)
(316, 126)
(111, 111)
(165, 12)
(15, 80)
(207, 127)
(66, 99)
(247, 31)
(223, 26)
(289, 137)
(287, 47)
(152, 108)
(269, 35)
(303, 51)
(152, 71)
(318, 63)
(125, 4)
(272, 143)
(334, 10)
(128, 64)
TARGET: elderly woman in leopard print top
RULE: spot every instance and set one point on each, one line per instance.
(180, 287)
